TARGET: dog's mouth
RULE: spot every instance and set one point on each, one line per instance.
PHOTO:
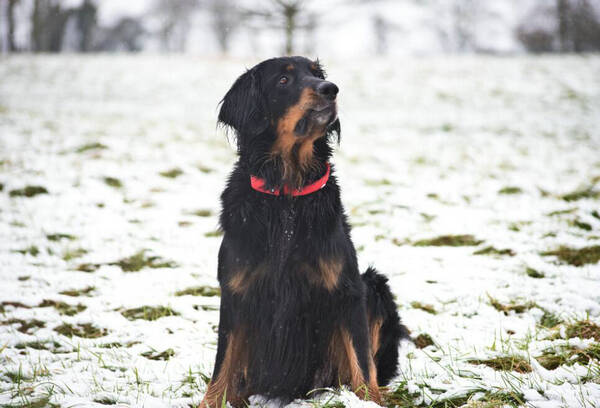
(324, 114)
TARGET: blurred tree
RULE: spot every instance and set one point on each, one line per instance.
(225, 19)
(381, 28)
(289, 15)
(125, 35)
(174, 22)
(11, 23)
(86, 24)
(576, 27)
(48, 22)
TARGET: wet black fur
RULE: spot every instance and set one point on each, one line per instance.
(287, 322)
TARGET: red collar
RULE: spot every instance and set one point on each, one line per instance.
(259, 185)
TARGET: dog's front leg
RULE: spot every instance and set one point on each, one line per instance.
(359, 367)
(228, 372)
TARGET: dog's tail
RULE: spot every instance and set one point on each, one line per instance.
(385, 327)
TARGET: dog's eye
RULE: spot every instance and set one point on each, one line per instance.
(283, 80)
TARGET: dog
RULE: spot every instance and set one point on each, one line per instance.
(296, 315)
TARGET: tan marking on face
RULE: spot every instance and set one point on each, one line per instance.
(290, 67)
(313, 66)
(233, 367)
(296, 152)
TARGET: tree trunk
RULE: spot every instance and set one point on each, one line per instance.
(562, 11)
(11, 25)
(290, 26)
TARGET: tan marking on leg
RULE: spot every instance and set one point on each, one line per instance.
(241, 281)
(326, 274)
(350, 371)
(233, 367)
(375, 331)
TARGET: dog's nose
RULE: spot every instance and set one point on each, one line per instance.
(328, 89)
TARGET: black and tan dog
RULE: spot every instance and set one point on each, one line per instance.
(296, 314)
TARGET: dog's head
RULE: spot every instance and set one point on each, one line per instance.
(283, 104)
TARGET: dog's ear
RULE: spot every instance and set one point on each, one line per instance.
(335, 129)
(243, 108)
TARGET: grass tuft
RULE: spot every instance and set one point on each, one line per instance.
(552, 359)
(173, 173)
(25, 326)
(215, 233)
(549, 320)
(86, 330)
(587, 192)
(60, 236)
(90, 146)
(78, 292)
(202, 213)
(207, 291)
(70, 254)
(494, 251)
(150, 313)
(584, 329)
(423, 340)
(113, 182)
(512, 307)
(400, 397)
(449, 240)
(31, 250)
(576, 256)
(424, 307)
(532, 273)
(38, 345)
(140, 260)
(510, 190)
(507, 363)
(62, 307)
(154, 355)
(28, 191)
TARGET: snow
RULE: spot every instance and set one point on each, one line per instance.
(427, 143)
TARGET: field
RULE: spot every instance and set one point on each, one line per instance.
(473, 183)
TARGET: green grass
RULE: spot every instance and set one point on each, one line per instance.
(140, 260)
(580, 224)
(202, 213)
(31, 250)
(215, 233)
(510, 190)
(549, 320)
(60, 236)
(505, 363)
(580, 194)
(424, 307)
(576, 256)
(552, 359)
(25, 326)
(62, 307)
(150, 313)
(86, 330)
(154, 355)
(78, 292)
(490, 250)
(28, 191)
(207, 291)
(87, 267)
(584, 329)
(401, 397)
(449, 240)
(38, 345)
(73, 253)
(113, 182)
(173, 173)
(511, 307)
(90, 146)
(532, 273)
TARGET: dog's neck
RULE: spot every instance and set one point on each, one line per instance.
(280, 169)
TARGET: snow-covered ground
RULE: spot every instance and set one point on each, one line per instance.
(480, 146)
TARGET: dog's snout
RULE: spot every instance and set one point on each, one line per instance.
(328, 89)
